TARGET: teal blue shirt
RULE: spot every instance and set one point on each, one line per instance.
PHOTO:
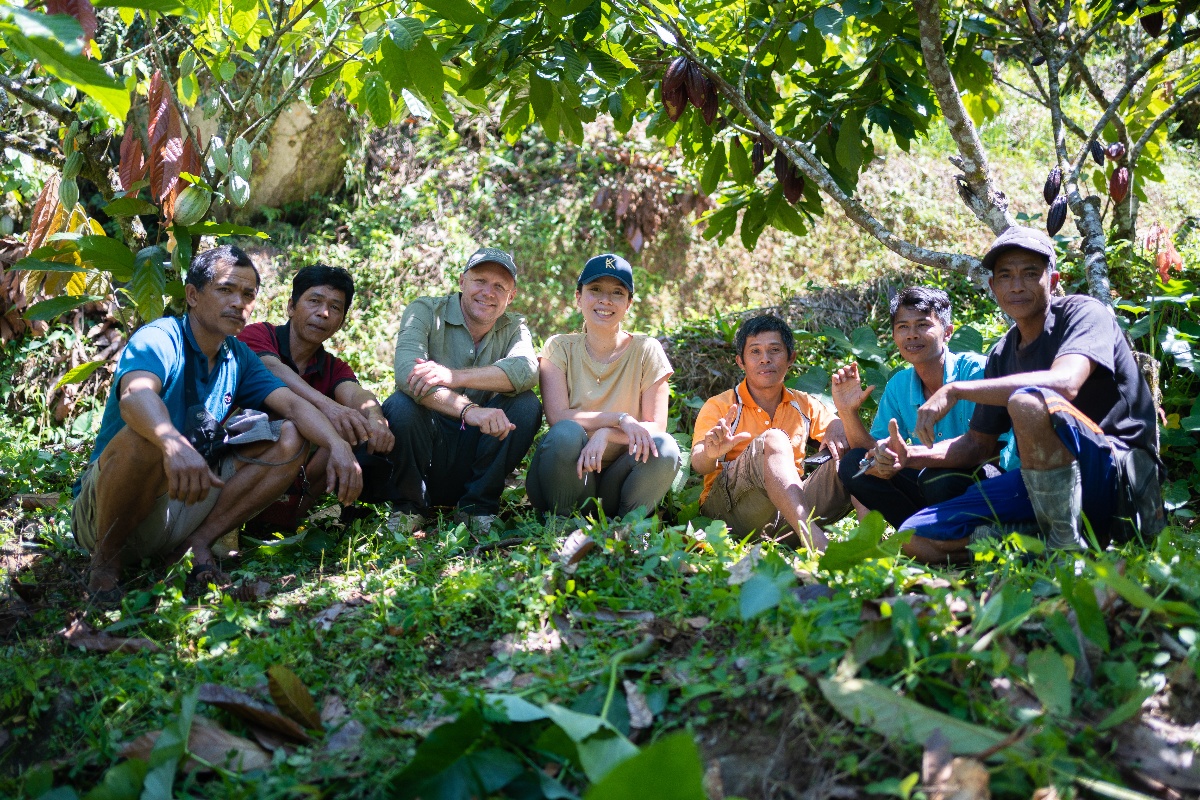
(904, 394)
(239, 380)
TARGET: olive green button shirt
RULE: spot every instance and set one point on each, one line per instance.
(433, 328)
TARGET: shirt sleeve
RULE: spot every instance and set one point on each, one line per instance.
(710, 413)
(340, 372)
(151, 349)
(412, 342)
(260, 338)
(554, 351)
(255, 381)
(889, 408)
(821, 416)
(1089, 331)
(655, 364)
(520, 363)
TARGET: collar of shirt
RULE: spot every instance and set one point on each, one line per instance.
(283, 338)
(750, 404)
(224, 352)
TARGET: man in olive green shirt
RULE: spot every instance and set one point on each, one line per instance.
(464, 413)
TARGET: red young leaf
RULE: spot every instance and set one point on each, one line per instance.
(160, 111)
(81, 10)
(166, 158)
(43, 213)
(189, 162)
(133, 160)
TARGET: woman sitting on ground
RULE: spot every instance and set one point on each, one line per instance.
(605, 393)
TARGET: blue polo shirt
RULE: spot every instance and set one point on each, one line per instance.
(904, 394)
(240, 380)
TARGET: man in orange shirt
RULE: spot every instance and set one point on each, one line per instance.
(750, 441)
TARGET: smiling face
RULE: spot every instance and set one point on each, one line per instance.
(1023, 286)
(919, 335)
(766, 361)
(318, 314)
(604, 302)
(487, 289)
(224, 305)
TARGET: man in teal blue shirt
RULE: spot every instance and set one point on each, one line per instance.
(921, 329)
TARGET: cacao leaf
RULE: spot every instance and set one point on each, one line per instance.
(378, 99)
(65, 64)
(55, 307)
(425, 66)
(459, 11)
(405, 32)
(108, 254)
(133, 161)
(541, 96)
(149, 282)
(739, 162)
(849, 149)
(607, 68)
(292, 697)
(79, 374)
(714, 169)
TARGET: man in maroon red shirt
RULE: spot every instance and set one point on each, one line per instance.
(295, 353)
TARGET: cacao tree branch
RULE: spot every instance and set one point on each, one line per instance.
(1097, 93)
(1086, 210)
(40, 152)
(217, 83)
(1071, 125)
(1180, 102)
(753, 54)
(985, 200)
(815, 171)
(14, 87)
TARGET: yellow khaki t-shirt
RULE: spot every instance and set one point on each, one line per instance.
(615, 387)
(788, 418)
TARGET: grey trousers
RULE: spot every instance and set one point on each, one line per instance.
(554, 485)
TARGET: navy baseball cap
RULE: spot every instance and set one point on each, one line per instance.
(486, 254)
(608, 264)
(1021, 238)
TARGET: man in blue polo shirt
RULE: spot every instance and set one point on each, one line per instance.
(921, 329)
(148, 491)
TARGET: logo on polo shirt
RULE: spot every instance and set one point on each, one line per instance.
(228, 398)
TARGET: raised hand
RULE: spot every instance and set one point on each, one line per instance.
(721, 439)
(847, 389)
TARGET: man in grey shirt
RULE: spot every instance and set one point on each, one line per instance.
(464, 413)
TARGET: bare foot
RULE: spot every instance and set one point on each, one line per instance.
(103, 577)
(201, 553)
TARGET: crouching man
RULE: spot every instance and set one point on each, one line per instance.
(749, 444)
(295, 353)
(1065, 381)
(148, 492)
(464, 412)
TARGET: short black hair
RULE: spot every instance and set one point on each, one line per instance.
(764, 323)
(204, 266)
(338, 278)
(925, 299)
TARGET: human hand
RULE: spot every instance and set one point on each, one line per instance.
(721, 439)
(891, 454)
(428, 375)
(591, 458)
(379, 436)
(641, 440)
(491, 421)
(343, 474)
(847, 389)
(931, 412)
(348, 422)
(188, 475)
(835, 442)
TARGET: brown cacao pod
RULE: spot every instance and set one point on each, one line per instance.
(768, 146)
(793, 186)
(1152, 23)
(1053, 184)
(1057, 215)
(711, 104)
(782, 165)
(696, 84)
(191, 205)
(1097, 152)
(674, 76)
(758, 159)
(1116, 151)
(674, 101)
(1118, 184)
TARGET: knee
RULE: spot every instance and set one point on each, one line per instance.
(1026, 407)
(402, 413)
(849, 464)
(291, 444)
(776, 441)
(565, 438)
(668, 450)
(524, 410)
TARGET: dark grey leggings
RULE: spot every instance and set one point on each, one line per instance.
(554, 485)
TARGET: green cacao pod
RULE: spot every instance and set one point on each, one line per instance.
(73, 165)
(6, 225)
(191, 205)
(68, 193)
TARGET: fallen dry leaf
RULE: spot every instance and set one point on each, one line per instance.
(333, 710)
(741, 572)
(1164, 752)
(500, 680)
(346, 737)
(210, 742)
(573, 549)
(252, 710)
(293, 697)
(696, 623)
(325, 619)
(640, 716)
(271, 740)
(546, 640)
(80, 634)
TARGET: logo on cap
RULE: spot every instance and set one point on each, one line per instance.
(610, 263)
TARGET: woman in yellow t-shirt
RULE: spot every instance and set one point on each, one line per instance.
(605, 394)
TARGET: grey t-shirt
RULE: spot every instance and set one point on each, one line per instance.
(1115, 396)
